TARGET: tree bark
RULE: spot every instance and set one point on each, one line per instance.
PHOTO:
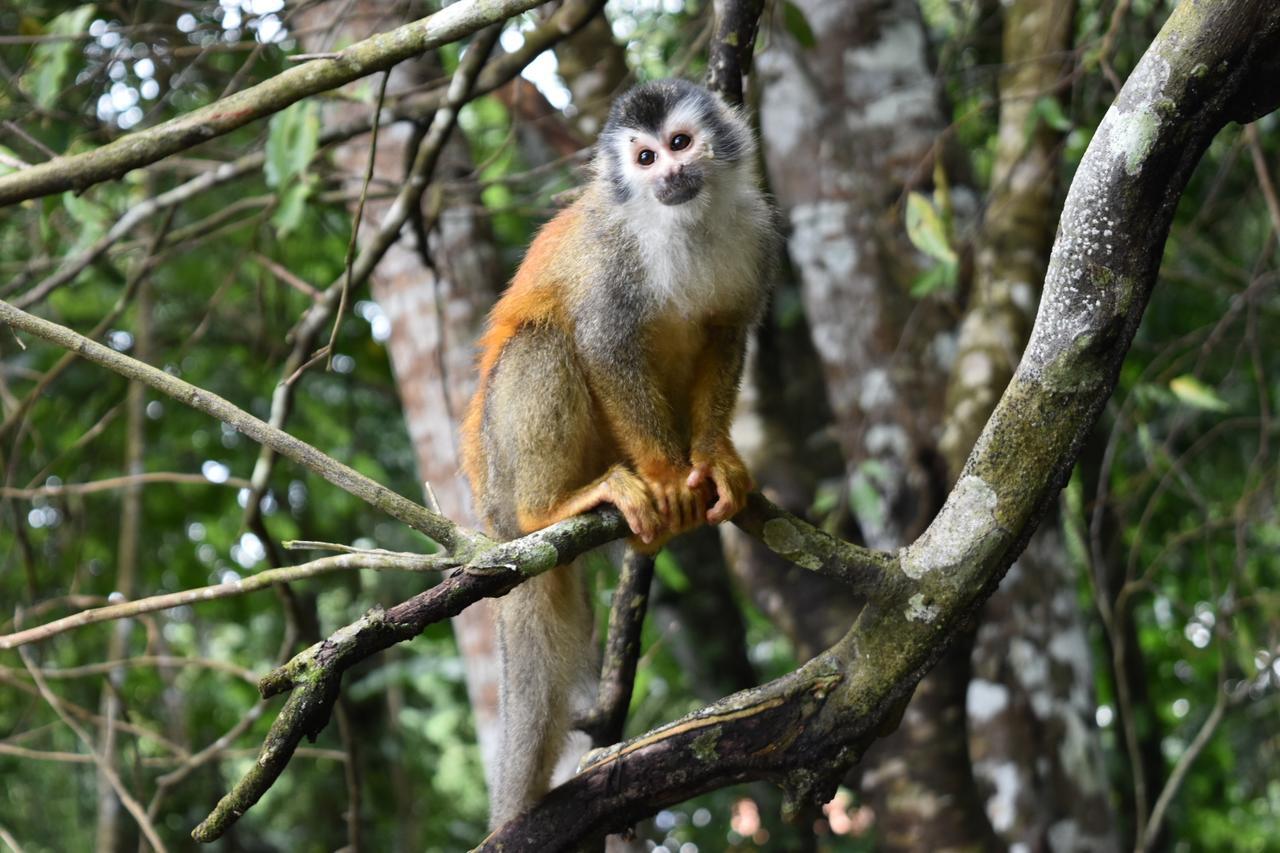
(878, 129)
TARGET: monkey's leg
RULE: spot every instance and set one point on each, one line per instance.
(618, 486)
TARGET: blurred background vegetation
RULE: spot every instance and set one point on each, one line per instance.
(1161, 567)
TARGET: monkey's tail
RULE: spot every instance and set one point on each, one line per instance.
(548, 673)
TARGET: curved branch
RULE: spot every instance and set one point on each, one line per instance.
(805, 729)
(377, 53)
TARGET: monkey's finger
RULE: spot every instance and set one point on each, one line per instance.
(699, 505)
(698, 476)
(725, 505)
(672, 495)
(638, 521)
(688, 510)
(716, 514)
(660, 500)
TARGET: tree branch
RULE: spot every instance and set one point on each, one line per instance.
(605, 721)
(377, 53)
(805, 729)
(287, 574)
(439, 528)
(732, 46)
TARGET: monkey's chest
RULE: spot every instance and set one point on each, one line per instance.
(675, 347)
(692, 282)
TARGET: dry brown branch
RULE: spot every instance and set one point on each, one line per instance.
(104, 766)
(113, 483)
(377, 53)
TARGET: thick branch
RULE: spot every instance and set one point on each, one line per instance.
(868, 573)
(732, 46)
(377, 53)
(806, 728)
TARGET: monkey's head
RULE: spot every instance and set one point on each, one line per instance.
(668, 139)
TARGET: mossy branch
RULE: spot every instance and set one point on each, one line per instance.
(376, 53)
(804, 730)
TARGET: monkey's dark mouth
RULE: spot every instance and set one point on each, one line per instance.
(678, 188)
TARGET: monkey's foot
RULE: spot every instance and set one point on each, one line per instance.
(732, 482)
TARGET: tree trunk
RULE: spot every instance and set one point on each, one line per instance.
(1031, 708)
(850, 124)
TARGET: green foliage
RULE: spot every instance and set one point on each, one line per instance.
(1192, 483)
(51, 60)
(929, 231)
(293, 135)
(793, 18)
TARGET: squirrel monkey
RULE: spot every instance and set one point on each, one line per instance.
(608, 374)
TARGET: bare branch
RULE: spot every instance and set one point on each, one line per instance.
(344, 477)
(113, 483)
(325, 565)
(605, 721)
(377, 53)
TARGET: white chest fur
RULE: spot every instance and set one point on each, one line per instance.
(703, 257)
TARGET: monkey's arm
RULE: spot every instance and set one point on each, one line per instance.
(715, 391)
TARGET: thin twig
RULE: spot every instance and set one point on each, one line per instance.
(416, 516)
(355, 224)
(242, 586)
(1151, 831)
(1264, 174)
(113, 483)
(104, 767)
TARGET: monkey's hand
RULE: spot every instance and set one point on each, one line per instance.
(681, 504)
(723, 469)
(632, 497)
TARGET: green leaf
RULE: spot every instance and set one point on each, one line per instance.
(927, 230)
(292, 138)
(91, 218)
(9, 156)
(50, 60)
(1196, 394)
(291, 144)
(864, 492)
(1049, 110)
(293, 204)
(797, 24)
(936, 279)
(670, 573)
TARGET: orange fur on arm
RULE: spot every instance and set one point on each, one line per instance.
(533, 297)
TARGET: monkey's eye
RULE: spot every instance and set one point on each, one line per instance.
(646, 157)
(680, 141)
